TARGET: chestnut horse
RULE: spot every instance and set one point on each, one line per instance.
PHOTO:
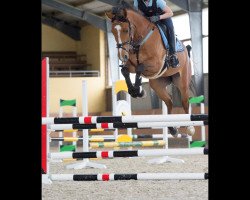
(142, 51)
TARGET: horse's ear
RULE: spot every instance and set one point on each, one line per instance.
(124, 13)
(126, 4)
(109, 15)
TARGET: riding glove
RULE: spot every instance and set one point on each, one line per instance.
(155, 18)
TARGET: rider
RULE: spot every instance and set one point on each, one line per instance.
(157, 10)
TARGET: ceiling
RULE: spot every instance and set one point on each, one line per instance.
(96, 7)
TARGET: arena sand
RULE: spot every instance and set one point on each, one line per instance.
(132, 189)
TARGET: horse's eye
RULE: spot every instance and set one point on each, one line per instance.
(125, 31)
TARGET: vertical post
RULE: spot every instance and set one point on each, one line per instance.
(203, 133)
(195, 18)
(85, 136)
(190, 108)
(60, 134)
(113, 58)
(85, 133)
(165, 129)
(61, 111)
(72, 104)
(45, 113)
(114, 101)
(128, 99)
(165, 159)
(74, 114)
(190, 138)
(74, 111)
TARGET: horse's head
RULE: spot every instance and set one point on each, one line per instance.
(121, 30)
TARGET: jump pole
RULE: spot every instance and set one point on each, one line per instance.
(125, 119)
(106, 138)
(139, 176)
(127, 144)
(110, 137)
(55, 127)
(130, 153)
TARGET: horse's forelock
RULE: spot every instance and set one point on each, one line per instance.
(118, 12)
(115, 10)
(126, 5)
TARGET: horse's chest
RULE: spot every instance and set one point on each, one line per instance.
(150, 63)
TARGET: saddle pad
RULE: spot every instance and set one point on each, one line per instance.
(179, 47)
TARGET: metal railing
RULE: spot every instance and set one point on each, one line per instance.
(90, 73)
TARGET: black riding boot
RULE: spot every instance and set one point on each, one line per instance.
(172, 53)
(174, 62)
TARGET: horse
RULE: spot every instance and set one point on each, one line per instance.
(141, 50)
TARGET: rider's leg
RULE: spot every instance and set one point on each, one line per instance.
(171, 38)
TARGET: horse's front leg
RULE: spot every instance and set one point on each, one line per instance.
(136, 89)
(138, 81)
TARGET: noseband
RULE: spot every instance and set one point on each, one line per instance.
(121, 45)
(134, 45)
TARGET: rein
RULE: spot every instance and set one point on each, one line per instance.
(134, 44)
(134, 48)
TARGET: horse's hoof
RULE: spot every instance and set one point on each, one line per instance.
(190, 130)
(175, 135)
(143, 94)
(173, 131)
(132, 93)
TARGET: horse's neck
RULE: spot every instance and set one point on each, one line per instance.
(153, 46)
(138, 20)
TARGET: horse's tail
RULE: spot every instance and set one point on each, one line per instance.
(188, 49)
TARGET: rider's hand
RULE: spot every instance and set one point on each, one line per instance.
(154, 18)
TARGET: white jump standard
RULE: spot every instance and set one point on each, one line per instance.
(86, 163)
(111, 122)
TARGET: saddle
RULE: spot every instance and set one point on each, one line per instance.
(179, 46)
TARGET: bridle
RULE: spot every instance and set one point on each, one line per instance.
(135, 90)
(133, 45)
(120, 21)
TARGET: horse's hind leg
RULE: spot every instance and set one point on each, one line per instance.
(185, 104)
(182, 84)
(184, 97)
(160, 87)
